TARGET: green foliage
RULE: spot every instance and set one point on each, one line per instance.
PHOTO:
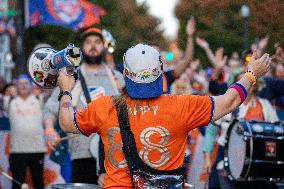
(128, 22)
(57, 37)
(219, 22)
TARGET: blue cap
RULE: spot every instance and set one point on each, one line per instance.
(23, 76)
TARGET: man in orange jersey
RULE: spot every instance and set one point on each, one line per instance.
(159, 123)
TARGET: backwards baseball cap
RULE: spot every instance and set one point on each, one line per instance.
(93, 31)
(143, 72)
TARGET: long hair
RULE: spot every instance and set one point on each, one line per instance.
(123, 98)
(120, 99)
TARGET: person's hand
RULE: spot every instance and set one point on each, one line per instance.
(189, 73)
(279, 53)
(207, 163)
(195, 64)
(190, 27)
(101, 180)
(259, 66)
(52, 138)
(219, 53)
(220, 60)
(263, 42)
(65, 82)
(202, 43)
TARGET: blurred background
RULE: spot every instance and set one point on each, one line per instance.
(130, 22)
(205, 44)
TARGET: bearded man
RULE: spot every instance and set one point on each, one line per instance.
(96, 79)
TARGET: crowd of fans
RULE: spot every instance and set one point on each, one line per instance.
(22, 102)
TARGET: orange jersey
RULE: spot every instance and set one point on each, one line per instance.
(160, 127)
(255, 113)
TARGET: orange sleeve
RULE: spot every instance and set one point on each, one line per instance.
(196, 110)
(86, 119)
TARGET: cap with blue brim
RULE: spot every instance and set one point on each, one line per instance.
(143, 72)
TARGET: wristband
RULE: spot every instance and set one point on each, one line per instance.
(62, 93)
(251, 76)
(241, 90)
(250, 71)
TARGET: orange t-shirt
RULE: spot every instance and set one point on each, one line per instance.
(255, 113)
(160, 129)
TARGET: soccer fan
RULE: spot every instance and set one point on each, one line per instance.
(27, 134)
(158, 123)
(96, 80)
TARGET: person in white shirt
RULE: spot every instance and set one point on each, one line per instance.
(27, 135)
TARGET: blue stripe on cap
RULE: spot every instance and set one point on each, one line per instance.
(144, 90)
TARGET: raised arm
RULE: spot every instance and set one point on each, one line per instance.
(188, 55)
(205, 46)
(66, 112)
(190, 30)
(236, 94)
(260, 45)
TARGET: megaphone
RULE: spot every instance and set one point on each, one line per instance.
(45, 63)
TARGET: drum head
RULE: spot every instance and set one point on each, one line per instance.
(236, 152)
(75, 186)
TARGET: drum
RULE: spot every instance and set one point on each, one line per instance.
(75, 186)
(255, 151)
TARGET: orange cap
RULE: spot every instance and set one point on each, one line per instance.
(94, 31)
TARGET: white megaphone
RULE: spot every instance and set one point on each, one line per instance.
(45, 63)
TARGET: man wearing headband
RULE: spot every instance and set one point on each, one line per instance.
(27, 134)
(159, 123)
(99, 81)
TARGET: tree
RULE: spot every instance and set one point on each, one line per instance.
(220, 24)
(130, 24)
(127, 21)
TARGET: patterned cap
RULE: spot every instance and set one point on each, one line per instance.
(143, 72)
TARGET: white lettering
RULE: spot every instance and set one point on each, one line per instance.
(143, 110)
(135, 111)
(155, 109)
(146, 109)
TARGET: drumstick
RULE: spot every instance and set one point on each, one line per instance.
(67, 137)
(23, 186)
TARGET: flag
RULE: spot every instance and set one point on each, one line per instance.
(71, 14)
(7, 26)
(11, 28)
